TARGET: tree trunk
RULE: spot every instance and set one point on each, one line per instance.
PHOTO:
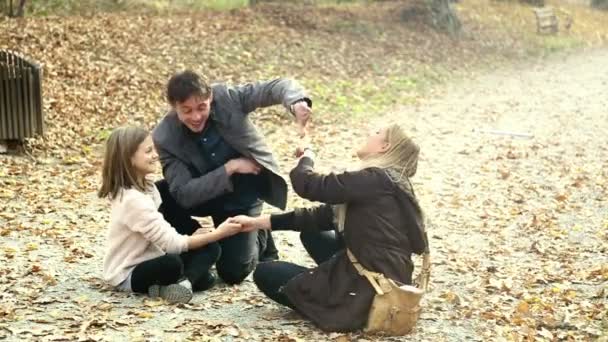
(20, 9)
(15, 10)
(444, 16)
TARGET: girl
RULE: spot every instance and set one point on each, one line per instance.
(145, 254)
(372, 212)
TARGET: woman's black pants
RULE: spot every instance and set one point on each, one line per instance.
(270, 277)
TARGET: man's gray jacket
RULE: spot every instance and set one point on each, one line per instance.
(181, 158)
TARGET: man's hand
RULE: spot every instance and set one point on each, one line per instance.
(302, 113)
(242, 165)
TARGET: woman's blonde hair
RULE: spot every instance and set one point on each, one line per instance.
(400, 162)
(401, 156)
(118, 172)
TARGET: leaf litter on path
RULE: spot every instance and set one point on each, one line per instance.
(518, 227)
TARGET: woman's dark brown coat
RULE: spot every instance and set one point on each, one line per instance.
(379, 215)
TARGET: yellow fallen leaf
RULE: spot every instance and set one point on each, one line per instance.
(450, 297)
(9, 251)
(5, 193)
(105, 307)
(557, 233)
(145, 314)
(56, 314)
(49, 279)
(523, 307)
(32, 246)
(343, 338)
(10, 216)
(82, 299)
(153, 303)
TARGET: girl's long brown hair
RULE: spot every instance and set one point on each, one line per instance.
(118, 172)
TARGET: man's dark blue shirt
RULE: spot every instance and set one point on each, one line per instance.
(247, 187)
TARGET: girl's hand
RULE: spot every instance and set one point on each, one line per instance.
(250, 224)
(229, 227)
(203, 230)
(247, 223)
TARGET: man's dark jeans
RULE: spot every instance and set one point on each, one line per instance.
(239, 253)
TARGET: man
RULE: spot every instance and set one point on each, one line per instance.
(216, 164)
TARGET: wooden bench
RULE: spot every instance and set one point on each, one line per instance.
(546, 20)
(20, 97)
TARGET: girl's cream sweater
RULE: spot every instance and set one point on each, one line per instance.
(137, 232)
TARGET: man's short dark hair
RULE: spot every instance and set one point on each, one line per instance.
(185, 84)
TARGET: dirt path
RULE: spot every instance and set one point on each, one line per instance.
(518, 226)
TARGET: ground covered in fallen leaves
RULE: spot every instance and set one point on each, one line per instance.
(518, 224)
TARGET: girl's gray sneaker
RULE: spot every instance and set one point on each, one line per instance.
(174, 293)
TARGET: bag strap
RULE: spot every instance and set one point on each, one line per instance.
(424, 278)
(375, 278)
(372, 277)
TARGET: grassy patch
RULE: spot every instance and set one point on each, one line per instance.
(70, 7)
(356, 98)
(90, 7)
(205, 4)
(553, 44)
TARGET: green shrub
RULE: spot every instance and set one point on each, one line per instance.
(601, 4)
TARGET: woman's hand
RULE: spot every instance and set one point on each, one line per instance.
(229, 227)
(250, 224)
(305, 152)
(300, 151)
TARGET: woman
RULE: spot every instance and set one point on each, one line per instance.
(145, 254)
(372, 212)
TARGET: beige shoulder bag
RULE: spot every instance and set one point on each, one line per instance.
(396, 307)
